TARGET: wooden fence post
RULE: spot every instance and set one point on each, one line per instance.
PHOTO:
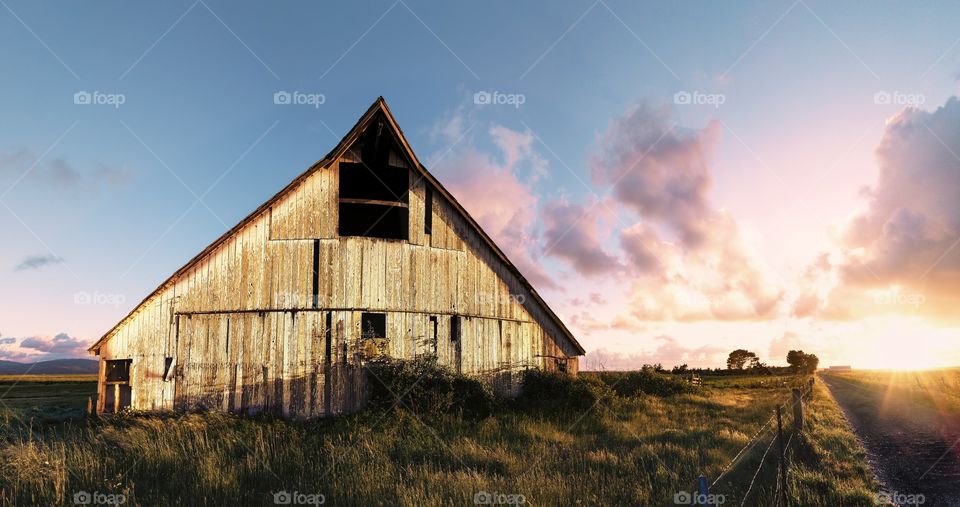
(89, 405)
(797, 409)
(783, 462)
(810, 389)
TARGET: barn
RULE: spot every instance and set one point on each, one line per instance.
(364, 255)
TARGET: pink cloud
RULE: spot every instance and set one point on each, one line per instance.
(571, 233)
(689, 260)
(493, 193)
(902, 254)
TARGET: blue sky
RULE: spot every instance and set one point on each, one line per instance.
(110, 194)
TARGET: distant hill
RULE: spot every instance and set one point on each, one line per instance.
(54, 367)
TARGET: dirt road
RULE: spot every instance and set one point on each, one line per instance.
(912, 448)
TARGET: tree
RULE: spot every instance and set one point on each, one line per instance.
(740, 357)
(801, 362)
(680, 370)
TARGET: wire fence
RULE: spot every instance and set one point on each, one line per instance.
(736, 472)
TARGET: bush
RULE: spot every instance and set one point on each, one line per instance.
(558, 391)
(644, 381)
(426, 388)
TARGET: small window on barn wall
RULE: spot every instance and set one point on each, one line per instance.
(373, 342)
(454, 328)
(167, 363)
(434, 324)
(374, 191)
(118, 370)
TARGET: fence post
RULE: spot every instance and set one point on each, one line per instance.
(783, 462)
(810, 389)
(703, 489)
(89, 405)
(797, 409)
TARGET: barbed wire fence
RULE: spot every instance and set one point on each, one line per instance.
(707, 492)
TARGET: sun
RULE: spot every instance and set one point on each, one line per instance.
(904, 343)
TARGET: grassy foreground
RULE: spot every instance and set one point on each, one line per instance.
(625, 449)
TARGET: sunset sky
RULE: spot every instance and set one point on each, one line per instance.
(677, 179)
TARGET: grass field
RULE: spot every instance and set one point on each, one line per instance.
(46, 397)
(625, 450)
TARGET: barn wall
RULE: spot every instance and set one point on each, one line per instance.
(245, 333)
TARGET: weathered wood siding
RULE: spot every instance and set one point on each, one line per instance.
(245, 335)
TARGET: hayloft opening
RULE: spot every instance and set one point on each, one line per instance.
(374, 190)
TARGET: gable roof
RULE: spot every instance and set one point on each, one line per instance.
(378, 106)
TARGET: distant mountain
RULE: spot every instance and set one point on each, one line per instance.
(54, 367)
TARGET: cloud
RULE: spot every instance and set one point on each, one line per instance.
(668, 352)
(689, 259)
(60, 345)
(780, 346)
(902, 254)
(37, 262)
(571, 233)
(41, 348)
(494, 193)
(58, 172)
(658, 170)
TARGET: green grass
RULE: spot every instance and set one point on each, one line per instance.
(625, 450)
(935, 389)
(46, 397)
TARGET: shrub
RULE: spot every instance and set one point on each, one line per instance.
(558, 391)
(426, 388)
(644, 381)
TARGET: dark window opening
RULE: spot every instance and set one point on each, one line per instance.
(454, 328)
(116, 387)
(328, 336)
(562, 365)
(374, 325)
(118, 370)
(428, 209)
(316, 273)
(373, 220)
(372, 181)
(434, 325)
(167, 363)
(374, 194)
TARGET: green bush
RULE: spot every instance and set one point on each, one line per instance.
(426, 388)
(644, 381)
(558, 391)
